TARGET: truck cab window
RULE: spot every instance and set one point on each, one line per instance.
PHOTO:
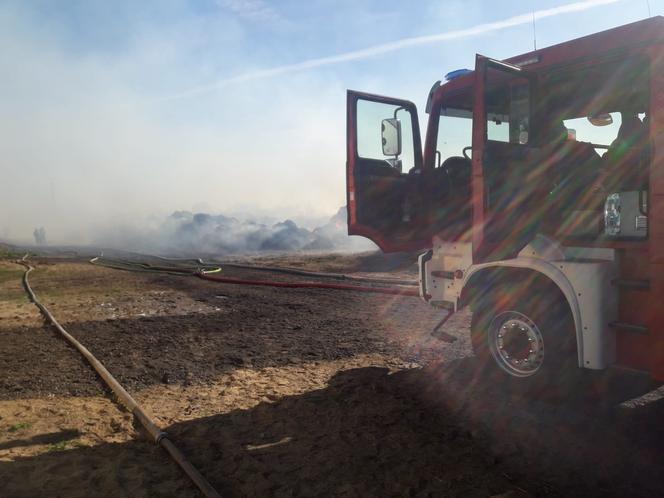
(449, 184)
(508, 114)
(582, 129)
(455, 132)
(370, 115)
(498, 128)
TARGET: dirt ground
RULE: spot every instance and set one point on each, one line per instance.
(293, 392)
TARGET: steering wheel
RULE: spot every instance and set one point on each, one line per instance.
(464, 152)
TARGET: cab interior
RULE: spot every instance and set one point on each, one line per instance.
(556, 148)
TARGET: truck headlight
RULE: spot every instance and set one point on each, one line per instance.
(612, 215)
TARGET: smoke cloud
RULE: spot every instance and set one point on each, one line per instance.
(194, 234)
(85, 151)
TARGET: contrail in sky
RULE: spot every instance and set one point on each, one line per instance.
(366, 53)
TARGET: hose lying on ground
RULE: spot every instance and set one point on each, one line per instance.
(294, 271)
(336, 276)
(311, 285)
(123, 264)
(125, 398)
(206, 272)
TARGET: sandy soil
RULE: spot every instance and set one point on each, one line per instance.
(292, 392)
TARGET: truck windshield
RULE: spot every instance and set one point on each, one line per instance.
(455, 131)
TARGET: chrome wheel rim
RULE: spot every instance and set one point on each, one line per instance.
(516, 344)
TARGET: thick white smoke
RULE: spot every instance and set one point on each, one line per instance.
(194, 234)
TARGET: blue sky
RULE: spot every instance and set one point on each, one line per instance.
(117, 113)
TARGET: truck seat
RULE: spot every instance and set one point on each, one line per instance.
(625, 163)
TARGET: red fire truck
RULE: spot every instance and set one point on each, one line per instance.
(538, 197)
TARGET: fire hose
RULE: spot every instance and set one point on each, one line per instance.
(207, 272)
(159, 437)
(137, 266)
(296, 271)
(310, 285)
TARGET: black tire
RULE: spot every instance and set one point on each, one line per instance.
(528, 341)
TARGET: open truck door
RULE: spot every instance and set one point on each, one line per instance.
(383, 172)
(507, 169)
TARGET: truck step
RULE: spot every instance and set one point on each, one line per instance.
(631, 283)
(629, 327)
(443, 274)
(438, 333)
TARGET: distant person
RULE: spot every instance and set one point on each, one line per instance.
(40, 236)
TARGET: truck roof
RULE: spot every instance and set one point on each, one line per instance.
(641, 33)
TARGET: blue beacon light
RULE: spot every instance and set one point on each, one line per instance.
(455, 74)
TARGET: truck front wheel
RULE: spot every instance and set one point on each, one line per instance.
(532, 342)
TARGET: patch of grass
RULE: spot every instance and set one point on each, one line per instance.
(14, 297)
(19, 426)
(10, 284)
(7, 274)
(69, 291)
(5, 252)
(63, 445)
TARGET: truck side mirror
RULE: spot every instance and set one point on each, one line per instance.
(602, 119)
(391, 133)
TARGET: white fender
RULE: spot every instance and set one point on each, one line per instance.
(583, 275)
(551, 272)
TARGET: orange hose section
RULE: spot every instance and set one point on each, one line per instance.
(312, 285)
